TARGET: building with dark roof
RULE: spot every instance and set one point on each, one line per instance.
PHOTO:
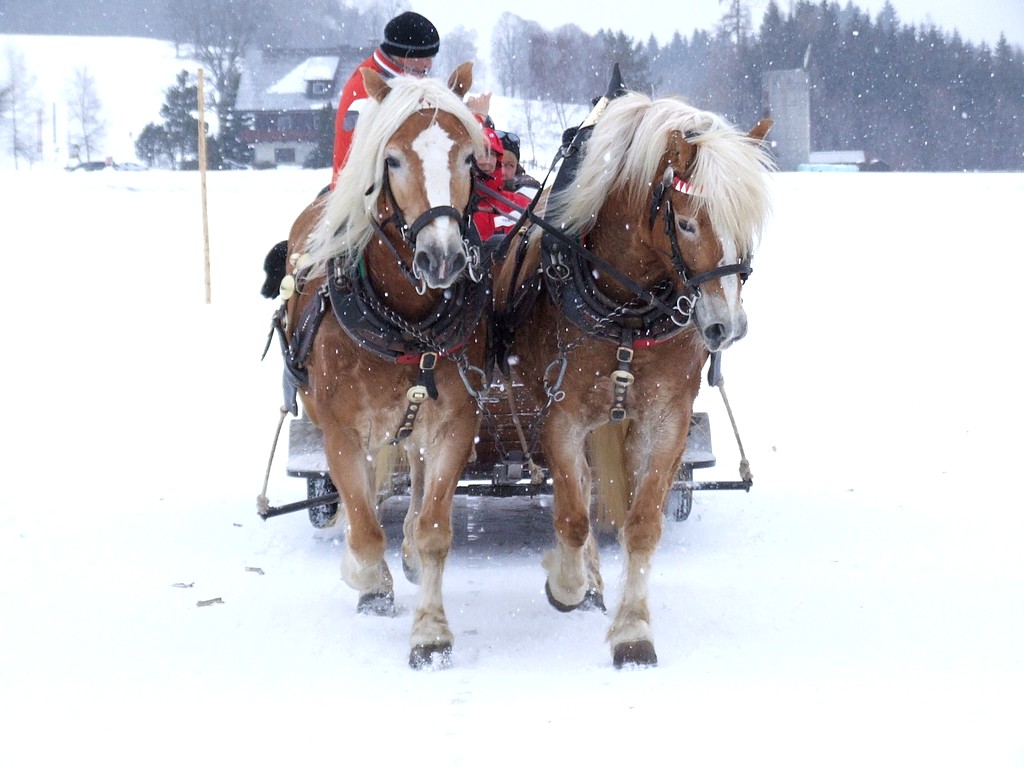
(284, 97)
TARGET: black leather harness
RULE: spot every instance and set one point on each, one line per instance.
(374, 326)
(568, 268)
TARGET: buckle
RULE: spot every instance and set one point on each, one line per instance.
(622, 378)
(417, 393)
(428, 360)
(624, 354)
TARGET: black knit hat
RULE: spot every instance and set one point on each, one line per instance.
(410, 36)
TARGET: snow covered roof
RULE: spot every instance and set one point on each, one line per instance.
(279, 80)
(834, 157)
(315, 68)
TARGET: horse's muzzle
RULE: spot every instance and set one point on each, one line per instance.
(439, 268)
(718, 334)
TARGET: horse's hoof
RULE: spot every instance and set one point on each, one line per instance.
(592, 601)
(376, 604)
(557, 604)
(431, 656)
(411, 574)
(636, 654)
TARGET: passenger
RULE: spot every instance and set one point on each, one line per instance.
(515, 179)
(492, 217)
(410, 44)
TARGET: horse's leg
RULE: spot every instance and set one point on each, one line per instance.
(363, 567)
(630, 634)
(573, 575)
(410, 557)
(445, 453)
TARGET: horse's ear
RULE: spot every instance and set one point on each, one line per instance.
(376, 86)
(461, 79)
(759, 131)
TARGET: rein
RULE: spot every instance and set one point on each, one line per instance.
(661, 199)
(654, 315)
(375, 327)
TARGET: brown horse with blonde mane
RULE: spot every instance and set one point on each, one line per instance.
(625, 281)
(383, 337)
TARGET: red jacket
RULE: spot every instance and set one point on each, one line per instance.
(492, 217)
(353, 97)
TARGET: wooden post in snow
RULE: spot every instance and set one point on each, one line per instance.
(202, 179)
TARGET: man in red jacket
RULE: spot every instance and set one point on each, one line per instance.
(409, 46)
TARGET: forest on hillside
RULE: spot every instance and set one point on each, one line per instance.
(918, 98)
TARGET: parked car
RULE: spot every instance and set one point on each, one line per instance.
(91, 165)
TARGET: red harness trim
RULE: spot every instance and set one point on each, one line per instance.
(647, 343)
(413, 358)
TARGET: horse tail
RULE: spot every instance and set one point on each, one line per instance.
(390, 458)
(612, 487)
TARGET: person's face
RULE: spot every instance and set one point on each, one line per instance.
(488, 161)
(415, 67)
(509, 163)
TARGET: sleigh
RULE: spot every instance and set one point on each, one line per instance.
(502, 465)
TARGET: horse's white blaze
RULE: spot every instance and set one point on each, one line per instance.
(730, 283)
(433, 146)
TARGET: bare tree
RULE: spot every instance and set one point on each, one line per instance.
(736, 23)
(21, 110)
(377, 13)
(219, 32)
(508, 52)
(88, 128)
(457, 46)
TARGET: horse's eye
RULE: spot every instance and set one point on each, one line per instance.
(393, 162)
(689, 226)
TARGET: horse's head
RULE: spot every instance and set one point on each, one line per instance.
(407, 176)
(673, 192)
(427, 164)
(704, 215)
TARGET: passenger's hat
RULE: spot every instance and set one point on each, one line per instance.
(493, 140)
(410, 36)
(510, 142)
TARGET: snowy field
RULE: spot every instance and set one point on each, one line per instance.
(862, 605)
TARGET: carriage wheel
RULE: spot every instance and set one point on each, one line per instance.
(322, 515)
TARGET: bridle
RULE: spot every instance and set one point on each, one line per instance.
(655, 314)
(370, 322)
(409, 232)
(661, 199)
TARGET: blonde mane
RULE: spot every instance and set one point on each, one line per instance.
(628, 145)
(345, 225)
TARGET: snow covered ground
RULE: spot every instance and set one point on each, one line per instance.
(862, 605)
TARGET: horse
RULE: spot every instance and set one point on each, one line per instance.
(382, 330)
(624, 281)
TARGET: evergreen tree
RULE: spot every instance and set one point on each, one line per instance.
(153, 146)
(180, 124)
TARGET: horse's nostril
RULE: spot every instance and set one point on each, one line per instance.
(715, 335)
